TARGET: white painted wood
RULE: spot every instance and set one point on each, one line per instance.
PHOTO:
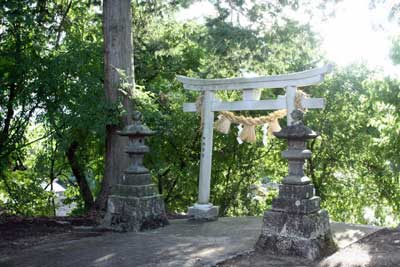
(251, 94)
(189, 107)
(206, 149)
(241, 105)
(250, 105)
(274, 104)
(298, 79)
(254, 85)
(290, 105)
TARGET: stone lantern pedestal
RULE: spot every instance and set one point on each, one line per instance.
(296, 225)
(134, 203)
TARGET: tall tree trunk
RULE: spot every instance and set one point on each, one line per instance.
(118, 53)
(79, 175)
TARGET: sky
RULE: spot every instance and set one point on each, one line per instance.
(356, 33)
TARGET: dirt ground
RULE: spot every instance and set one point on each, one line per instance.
(18, 233)
(254, 259)
(227, 242)
(379, 249)
(182, 243)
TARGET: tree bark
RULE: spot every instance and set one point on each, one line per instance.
(79, 175)
(118, 53)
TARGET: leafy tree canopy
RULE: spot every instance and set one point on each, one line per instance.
(53, 113)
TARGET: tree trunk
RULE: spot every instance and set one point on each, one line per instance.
(79, 175)
(118, 53)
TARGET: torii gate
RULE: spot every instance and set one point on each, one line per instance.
(203, 209)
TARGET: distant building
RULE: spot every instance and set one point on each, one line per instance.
(62, 209)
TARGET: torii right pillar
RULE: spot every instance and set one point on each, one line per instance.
(296, 225)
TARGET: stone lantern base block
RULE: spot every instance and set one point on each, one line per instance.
(290, 205)
(134, 213)
(134, 190)
(203, 212)
(302, 235)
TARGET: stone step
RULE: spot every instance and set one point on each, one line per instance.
(155, 197)
(137, 149)
(296, 154)
(134, 190)
(296, 191)
(126, 213)
(297, 206)
(136, 179)
(304, 235)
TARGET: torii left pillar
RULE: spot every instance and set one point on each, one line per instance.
(203, 209)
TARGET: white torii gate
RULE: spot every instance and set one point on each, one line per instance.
(203, 209)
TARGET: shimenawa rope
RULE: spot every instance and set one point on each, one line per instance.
(248, 134)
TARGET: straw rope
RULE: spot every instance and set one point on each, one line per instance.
(226, 118)
(251, 121)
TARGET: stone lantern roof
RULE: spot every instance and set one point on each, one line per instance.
(136, 128)
(296, 131)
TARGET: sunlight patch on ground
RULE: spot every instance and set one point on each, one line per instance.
(105, 258)
(358, 256)
(208, 251)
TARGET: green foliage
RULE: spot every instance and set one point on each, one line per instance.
(51, 73)
(24, 27)
(354, 166)
(51, 96)
(73, 195)
(27, 195)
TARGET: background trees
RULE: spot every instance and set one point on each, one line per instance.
(53, 109)
(51, 71)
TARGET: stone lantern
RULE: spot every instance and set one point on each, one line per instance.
(295, 225)
(134, 203)
(136, 149)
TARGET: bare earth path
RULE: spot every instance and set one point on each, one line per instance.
(181, 244)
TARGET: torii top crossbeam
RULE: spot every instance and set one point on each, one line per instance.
(248, 85)
(297, 79)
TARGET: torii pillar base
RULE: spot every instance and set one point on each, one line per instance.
(203, 212)
(295, 225)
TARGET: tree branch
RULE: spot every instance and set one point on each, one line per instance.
(60, 28)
